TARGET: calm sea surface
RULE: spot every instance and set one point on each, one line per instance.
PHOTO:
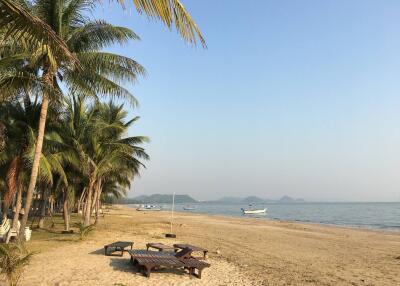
(363, 215)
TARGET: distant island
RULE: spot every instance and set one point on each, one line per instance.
(258, 200)
(186, 199)
(158, 199)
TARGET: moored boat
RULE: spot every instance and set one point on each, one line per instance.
(149, 208)
(189, 208)
(254, 211)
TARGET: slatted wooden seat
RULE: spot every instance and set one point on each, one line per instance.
(147, 264)
(159, 246)
(194, 248)
(192, 264)
(117, 246)
(146, 261)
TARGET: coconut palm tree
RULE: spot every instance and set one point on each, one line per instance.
(118, 158)
(99, 150)
(13, 259)
(20, 122)
(59, 15)
(84, 39)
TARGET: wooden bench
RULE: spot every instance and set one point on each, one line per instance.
(192, 264)
(147, 264)
(178, 246)
(159, 246)
(117, 246)
(146, 261)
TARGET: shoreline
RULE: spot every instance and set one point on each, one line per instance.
(393, 230)
(242, 251)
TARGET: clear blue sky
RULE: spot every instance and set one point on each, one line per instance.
(298, 98)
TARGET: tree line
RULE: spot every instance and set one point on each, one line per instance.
(59, 141)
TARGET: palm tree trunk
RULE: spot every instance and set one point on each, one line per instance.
(38, 151)
(94, 199)
(81, 199)
(97, 199)
(42, 209)
(65, 211)
(18, 204)
(87, 213)
(4, 210)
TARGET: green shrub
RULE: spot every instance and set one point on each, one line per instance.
(13, 258)
(83, 230)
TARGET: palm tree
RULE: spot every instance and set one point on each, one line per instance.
(118, 158)
(20, 122)
(98, 149)
(13, 258)
(84, 38)
(59, 15)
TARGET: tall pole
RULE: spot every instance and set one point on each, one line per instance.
(172, 209)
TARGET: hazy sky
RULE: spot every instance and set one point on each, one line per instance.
(298, 98)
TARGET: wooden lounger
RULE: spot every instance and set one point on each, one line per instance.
(192, 247)
(146, 264)
(146, 261)
(117, 246)
(192, 264)
(159, 246)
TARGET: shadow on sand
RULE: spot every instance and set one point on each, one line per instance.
(98, 252)
(124, 264)
(110, 252)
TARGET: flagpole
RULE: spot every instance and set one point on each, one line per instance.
(172, 209)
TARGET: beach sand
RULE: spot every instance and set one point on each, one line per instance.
(242, 252)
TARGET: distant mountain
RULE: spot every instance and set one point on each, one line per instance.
(290, 200)
(231, 200)
(257, 200)
(164, 199)
(252, 199)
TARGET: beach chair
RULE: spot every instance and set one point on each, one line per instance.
(7, 232)
(12, 232)
(159, 246)
(146, 261)
(192, 264)
(194, 248)
(5, 229)
(117, 246)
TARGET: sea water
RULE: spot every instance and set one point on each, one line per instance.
(385, 216)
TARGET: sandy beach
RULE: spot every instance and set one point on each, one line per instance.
(242, 252)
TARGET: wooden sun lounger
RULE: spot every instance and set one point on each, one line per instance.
(146, 264)
(159, 246)
(192, 247)
(146, 261)
(192, 264)
(117, 246)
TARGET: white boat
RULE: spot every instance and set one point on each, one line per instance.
(254, 211)
(189, 208)
(148, 208)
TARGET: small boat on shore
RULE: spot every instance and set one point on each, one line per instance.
(254, 211)
(189, 208)
(149, 208)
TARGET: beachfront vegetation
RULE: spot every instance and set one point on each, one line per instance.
(13, 259)
(83, 230)
(61, 148)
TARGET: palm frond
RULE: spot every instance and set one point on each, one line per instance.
(28, 29)
(97, 35)
(171, 12)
